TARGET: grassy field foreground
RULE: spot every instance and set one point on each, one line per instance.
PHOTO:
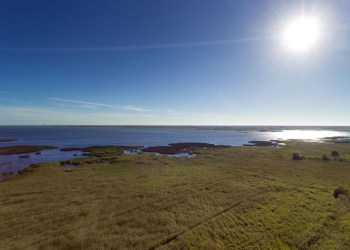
(238, 198)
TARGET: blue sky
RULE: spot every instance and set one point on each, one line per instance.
(183, 62)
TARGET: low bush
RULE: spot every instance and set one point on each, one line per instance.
(335, 153)
(340, 190)
(325, 158)
(297, 157)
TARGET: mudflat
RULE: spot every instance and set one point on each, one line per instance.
(23, 149)
(7, 140)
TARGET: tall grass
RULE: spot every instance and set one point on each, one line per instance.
(238, 198)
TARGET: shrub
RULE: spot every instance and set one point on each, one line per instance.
(340, 190)
(325, 158)
(335, 153)
(297, 157)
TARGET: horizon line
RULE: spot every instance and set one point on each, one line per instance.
(174, 125)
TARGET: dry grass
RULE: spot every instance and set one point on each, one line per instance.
(240, 198)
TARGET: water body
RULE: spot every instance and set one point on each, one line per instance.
(76, 136)
(11, 164)
(83, 136)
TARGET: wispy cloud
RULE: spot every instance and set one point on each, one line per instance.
(13, 100)
(91, 105)
(57, 116)
(3, 92)
(20, 102)
(82, 102)
(173, 111)
(135, 47)
(215, 115)
(16, 115)
(137, 109)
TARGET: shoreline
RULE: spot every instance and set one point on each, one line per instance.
(182, 149)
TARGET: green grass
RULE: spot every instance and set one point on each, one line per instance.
(236, 198)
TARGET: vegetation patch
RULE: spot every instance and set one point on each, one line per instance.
(225, 198)
(340, 191)
(297, 157)
(325, 158)
(183, 147)
(335, 153)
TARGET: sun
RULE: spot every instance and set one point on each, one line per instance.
(301, 34)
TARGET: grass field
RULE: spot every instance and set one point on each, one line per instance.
(236, 198)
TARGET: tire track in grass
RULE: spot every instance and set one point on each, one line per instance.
(173, 237)
(167, 198)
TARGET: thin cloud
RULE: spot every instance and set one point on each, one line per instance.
(82, 102)
(173, 112)
(2, 92)
(68, 105)
(135, 47)
(91, 105)
(20, 102)
(133, 108)
(52, 116)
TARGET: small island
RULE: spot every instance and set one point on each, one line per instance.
(22, 149)
(7, 140)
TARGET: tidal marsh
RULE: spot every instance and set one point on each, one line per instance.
(236, 197)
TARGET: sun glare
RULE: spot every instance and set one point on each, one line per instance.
(301, 34)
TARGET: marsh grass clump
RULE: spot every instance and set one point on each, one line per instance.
(340, 191)
(335, 153)
(297, 157)
(62, 163)
(325, 158)
(339, 158)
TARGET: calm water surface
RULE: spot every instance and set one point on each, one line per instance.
(146, 136)
(75, 136)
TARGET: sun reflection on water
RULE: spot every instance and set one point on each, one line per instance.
(314, 135)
